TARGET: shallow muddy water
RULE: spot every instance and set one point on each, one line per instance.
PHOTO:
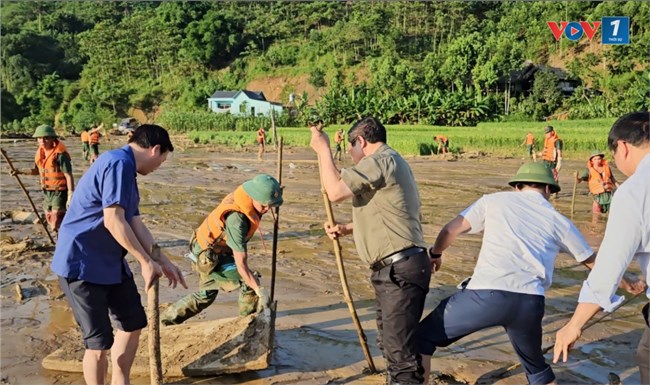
(316, 342)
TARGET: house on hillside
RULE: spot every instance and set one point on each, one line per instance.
(522, 81)
(244, 102)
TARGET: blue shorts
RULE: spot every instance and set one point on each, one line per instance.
(469, 311)
(94, 305)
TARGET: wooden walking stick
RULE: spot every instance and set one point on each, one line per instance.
(31, 202)
(276, 224)
(344, 282)
(153, 320)
(573, 197)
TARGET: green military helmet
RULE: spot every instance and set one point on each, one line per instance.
(548, 129)
(264, 189)
(596, 153)
(44, 131)
(534, 172)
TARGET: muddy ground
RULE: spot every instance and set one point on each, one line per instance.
(316, 342)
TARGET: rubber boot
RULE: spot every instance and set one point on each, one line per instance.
(188, 306)
(247, 300)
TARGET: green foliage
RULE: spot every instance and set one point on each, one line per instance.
(181, 121)
(405, 62)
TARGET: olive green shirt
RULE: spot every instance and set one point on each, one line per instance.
(237, 226)
(385, 205)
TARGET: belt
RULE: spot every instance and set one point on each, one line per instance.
(387, 261)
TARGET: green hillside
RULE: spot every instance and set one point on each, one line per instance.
(443, 63)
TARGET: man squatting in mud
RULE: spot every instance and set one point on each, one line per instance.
(387, 234)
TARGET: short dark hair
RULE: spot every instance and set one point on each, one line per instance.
(539, 186)
(633, 128)
(150, 135)
(370, 128)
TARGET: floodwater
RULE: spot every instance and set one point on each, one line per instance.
(316, 342)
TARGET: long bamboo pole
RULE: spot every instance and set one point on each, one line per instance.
(31, 202)
(153, 319)
(276, 224)
(363, 341)
(573, 196)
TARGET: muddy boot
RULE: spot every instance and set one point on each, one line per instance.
(187, 307)
(247, 301)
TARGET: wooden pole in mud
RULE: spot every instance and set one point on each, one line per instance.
(31, 202)
(344, 281)
(276, 224)
(153, 320)
(573, 196)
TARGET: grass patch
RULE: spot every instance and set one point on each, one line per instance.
(500, 138)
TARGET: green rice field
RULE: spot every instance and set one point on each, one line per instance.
(500, 138)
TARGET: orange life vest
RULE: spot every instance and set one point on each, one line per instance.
(85, 137)
(338, 138)
(600, 182)
(549, 152)
(94, 137)
(530, 139)
(260, 136)
(52, 178)
(442, 139)
(211, 233)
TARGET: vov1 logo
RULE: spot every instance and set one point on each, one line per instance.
(616, 29)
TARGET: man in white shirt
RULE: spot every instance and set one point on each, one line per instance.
(627, 236)
(522, 235)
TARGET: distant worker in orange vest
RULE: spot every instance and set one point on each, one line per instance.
(261, 140)
(93, 139)
(85, 138)
(601, 183)
(338, 140)
(52, 162)
(529, 142)
(443, 143)
(219, 251)
(552, 153)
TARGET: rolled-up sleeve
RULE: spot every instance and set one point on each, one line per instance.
(622, 241)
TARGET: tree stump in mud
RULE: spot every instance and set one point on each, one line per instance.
(207, 348)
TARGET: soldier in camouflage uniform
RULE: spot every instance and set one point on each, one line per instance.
(219, 250)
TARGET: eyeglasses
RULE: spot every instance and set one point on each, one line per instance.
(353, 141)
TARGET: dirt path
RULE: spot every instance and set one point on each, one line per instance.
(316, 340)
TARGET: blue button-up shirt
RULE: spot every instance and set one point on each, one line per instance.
(85, 249)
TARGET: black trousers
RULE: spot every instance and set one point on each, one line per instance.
(400, 291)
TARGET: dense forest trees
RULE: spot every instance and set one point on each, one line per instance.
(455, 63)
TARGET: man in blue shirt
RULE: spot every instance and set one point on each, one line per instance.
(102, 225)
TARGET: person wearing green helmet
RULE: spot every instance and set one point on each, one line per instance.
(52, 163)
(219, 252)
(601, 183)
(522, 235)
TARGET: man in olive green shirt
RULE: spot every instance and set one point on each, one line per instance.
(388, 236)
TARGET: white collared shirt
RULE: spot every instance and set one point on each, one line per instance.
(523, 234)
(627, 236)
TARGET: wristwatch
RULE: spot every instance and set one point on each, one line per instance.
(433, 255)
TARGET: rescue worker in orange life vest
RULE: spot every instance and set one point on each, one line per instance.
(218, 250)
(601, 183)
(552, 153)
(52, 162)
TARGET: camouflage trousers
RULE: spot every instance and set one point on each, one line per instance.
(223, 277)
